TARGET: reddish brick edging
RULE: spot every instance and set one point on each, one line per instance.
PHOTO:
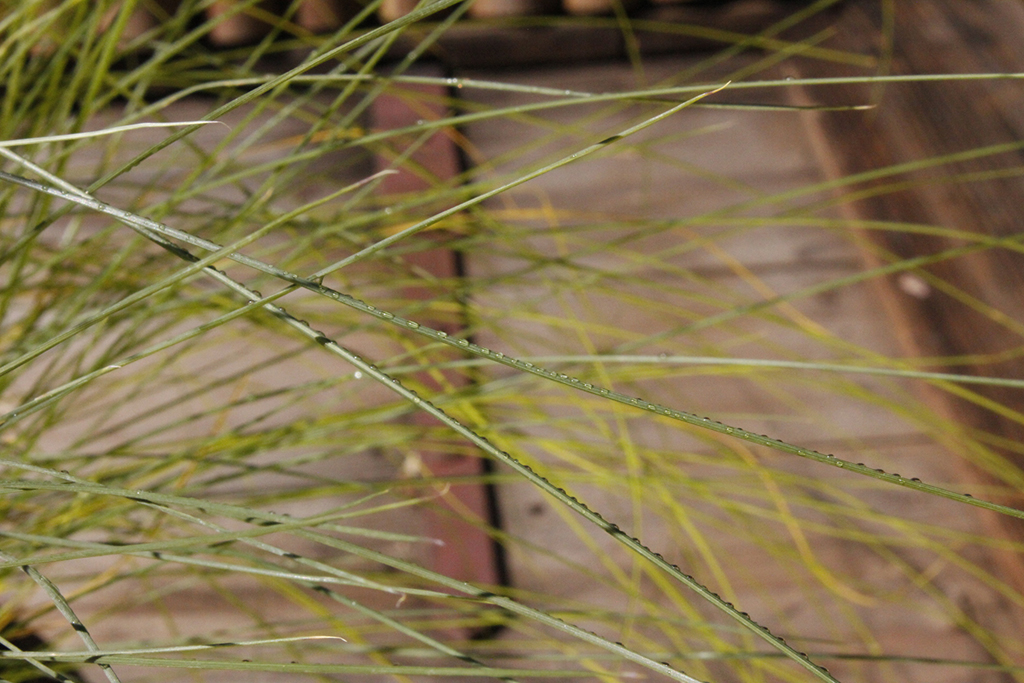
(469, 553)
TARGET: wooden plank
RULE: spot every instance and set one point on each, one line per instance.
(767, 152)
(509, 33)
(916, 121)
(664, 29)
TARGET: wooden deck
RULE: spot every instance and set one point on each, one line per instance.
(707, 173)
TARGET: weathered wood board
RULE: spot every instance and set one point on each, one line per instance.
(970, 305)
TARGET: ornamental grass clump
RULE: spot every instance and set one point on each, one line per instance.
(229, 379)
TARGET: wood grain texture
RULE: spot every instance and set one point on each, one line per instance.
(969, 306)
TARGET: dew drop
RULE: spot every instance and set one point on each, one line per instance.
(358, 374)
(386, 315)
(463, 342)
(414, 325)
(527, 365)
(562, 375)
(914, 479)
(587, 385)
(499, 355)
(443, 335)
